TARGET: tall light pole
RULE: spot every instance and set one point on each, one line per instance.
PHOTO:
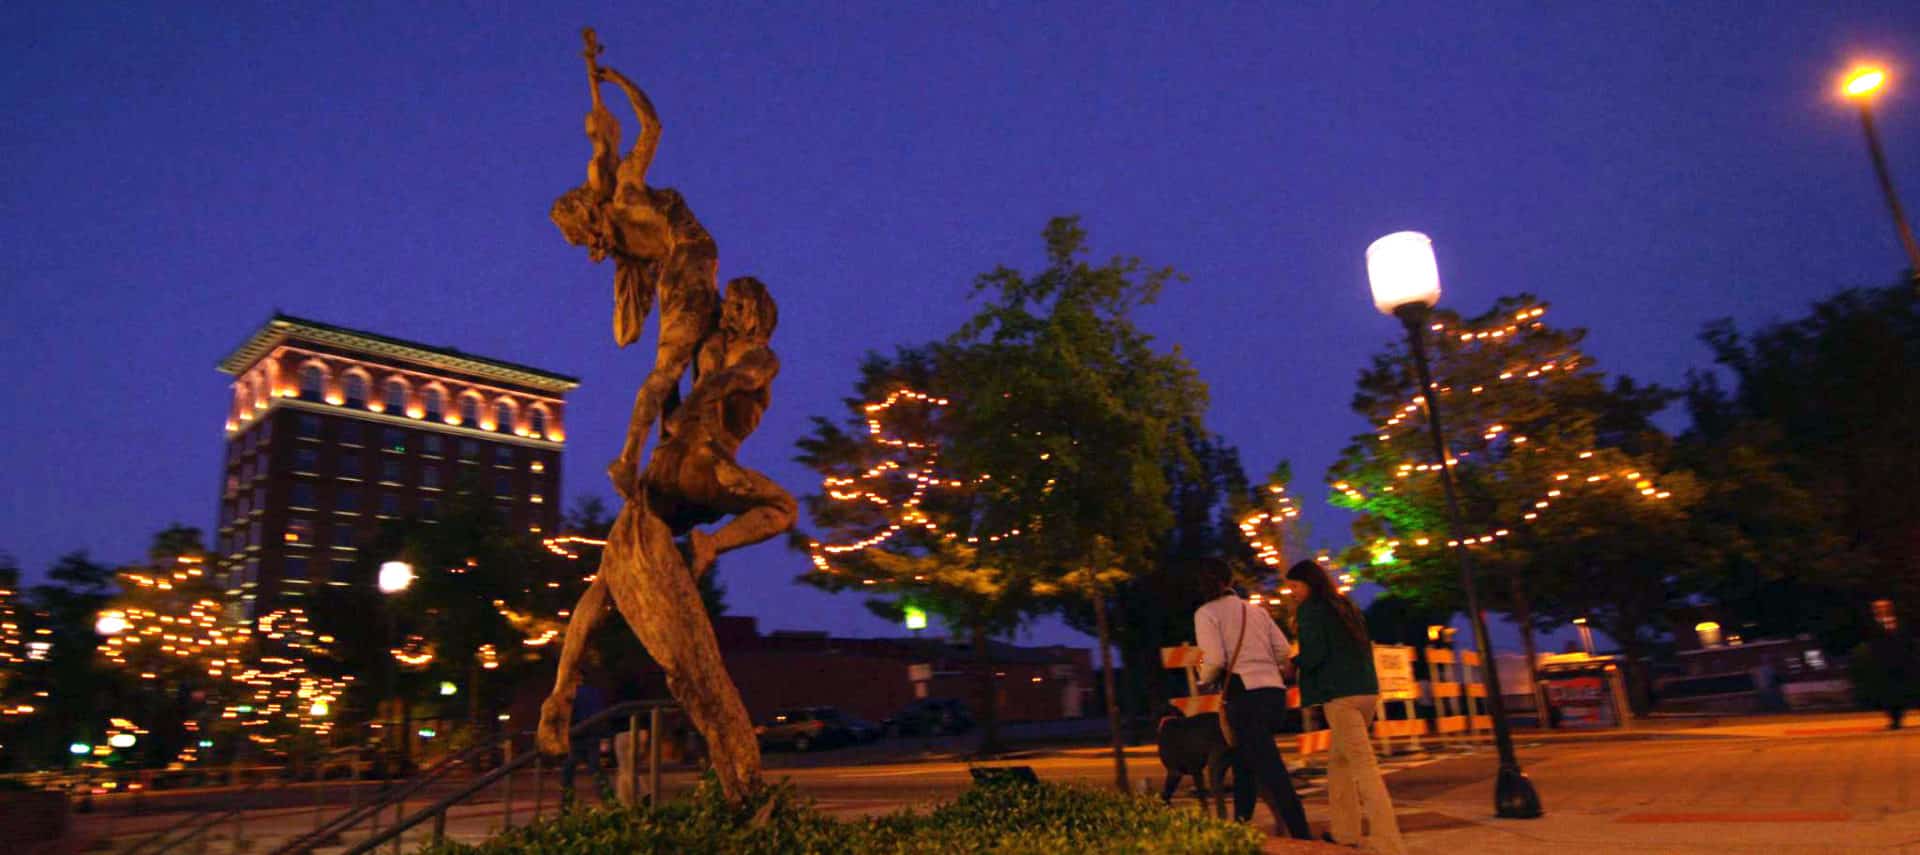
(1862, 86)
(1586, 635)
(395, 578)
(1406, 285)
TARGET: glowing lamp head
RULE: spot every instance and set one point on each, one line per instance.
(447, 688)
(1402, 271)
(319, 709)
(110, 623)
(121, 740)
(1864, 82)
(79, 749)
(395, 576)
(916, 617)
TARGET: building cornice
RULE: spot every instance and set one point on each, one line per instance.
(397, 421)
(281, 328)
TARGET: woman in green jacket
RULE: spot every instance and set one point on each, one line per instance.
(1336, 674)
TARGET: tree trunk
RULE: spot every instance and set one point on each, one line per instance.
(656, 593)
(1523, 615)
(473, 698)
(989, 692)
(1113, 705)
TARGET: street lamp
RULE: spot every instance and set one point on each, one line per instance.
(395, 577)
(112, 622)
(1862, 85)
(1586, 635)
(1406, 285)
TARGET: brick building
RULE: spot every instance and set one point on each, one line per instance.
(333, 430)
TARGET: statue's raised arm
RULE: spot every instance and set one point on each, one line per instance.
(633, 170)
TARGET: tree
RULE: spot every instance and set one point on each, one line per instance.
(1067, 403)
(1820, 420)
(61, 649)
(1565, 490)
(895, 520)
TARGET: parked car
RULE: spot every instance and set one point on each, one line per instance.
(807, 728)
(931, 717)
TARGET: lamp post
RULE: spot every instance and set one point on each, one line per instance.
(396, 577)
(1406, 284)
(1586, 635)
(1862, 86)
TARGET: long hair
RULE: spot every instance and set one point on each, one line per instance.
(1321, 587)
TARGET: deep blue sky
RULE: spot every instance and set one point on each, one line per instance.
(168, 179)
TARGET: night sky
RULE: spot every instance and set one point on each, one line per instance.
(168, 180)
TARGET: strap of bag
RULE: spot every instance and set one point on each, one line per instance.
(1238, 643)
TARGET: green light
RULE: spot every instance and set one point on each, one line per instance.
(243, 708)
(448, 688)
(428, 733)
(79, 748)
(206, 743)
(916, 617)
(1382, 554)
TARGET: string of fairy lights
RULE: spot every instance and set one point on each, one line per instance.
(1405, 418)
(883, 483)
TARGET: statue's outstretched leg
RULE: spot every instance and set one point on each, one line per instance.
(764, 508)
(556, 713)
(656, 594)
(689, 301)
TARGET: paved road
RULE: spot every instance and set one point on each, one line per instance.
(1834, 784)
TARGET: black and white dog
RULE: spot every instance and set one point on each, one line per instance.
(1194, 746)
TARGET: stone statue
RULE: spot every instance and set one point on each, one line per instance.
(692, 477)
(660, 253)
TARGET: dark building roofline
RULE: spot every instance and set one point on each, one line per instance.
(282, 326)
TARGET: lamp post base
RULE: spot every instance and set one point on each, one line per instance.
(1513, 795)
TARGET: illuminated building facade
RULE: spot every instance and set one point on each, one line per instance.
(332, 431)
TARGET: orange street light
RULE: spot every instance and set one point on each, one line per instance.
(1864, 82)
(1861, 85)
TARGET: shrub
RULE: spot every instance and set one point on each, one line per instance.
(1011, 819)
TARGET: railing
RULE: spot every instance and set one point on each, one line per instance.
(324, 833)
(195, 827)
(394, 796)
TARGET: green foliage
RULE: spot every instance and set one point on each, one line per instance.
(1815, 440)
(1564, 483)
(1013, 819)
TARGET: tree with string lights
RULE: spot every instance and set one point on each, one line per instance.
(1563, 480)
(894, 519)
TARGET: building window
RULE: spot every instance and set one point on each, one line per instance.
(469, 449)
(350, 466)
(431, 445)
(302, 496)
(259, 498)
(503, 417)
(347, 501)
(396, 397)
(351, 434)
(502, 455)
(342, 536)
(299, 530)
(390, 471)
(306, 460)
(265, 430)
(309, 426)
(251, 572)
(536, 498)
(434, 403)
(313, 383)
(253, 533)
(389, 504)
(342, 570)
(537, 422)
(241, 507)
(246, 470)
(470, 411)
(293, 568)
(429, 507)
(503, 486)
(356, 390)
(430, 477)
(536, 467)
(394, 439)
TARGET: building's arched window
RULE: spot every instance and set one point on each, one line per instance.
(243, 400)
(537, 422)
(470, 411)
(433, 402)
(356, 391)
(503, 417)
(313, 383)
(396, 397)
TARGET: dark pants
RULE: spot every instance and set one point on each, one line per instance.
(1257, 767)
(584, 750)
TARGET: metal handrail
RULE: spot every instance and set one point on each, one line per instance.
(438, 810)
(354, 816)
(206, 820)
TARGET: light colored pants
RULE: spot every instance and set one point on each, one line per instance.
(1353, 780)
